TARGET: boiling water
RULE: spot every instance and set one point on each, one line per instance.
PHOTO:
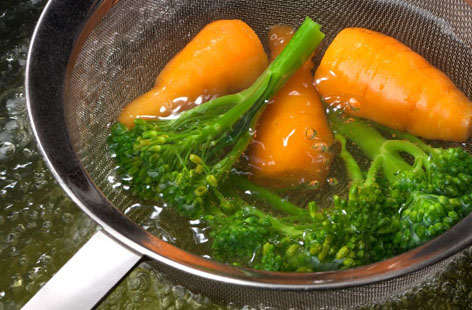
(40, 228)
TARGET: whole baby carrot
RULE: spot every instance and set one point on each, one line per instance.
(225, 57)
(374, 76)
(293, 140)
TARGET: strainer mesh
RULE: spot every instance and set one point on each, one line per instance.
(124, 52)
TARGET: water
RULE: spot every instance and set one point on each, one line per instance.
(40, 228)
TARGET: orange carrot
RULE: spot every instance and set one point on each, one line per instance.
(292, 140)
(225, 57)
(374, 76)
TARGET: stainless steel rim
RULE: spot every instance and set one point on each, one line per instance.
(55, 39)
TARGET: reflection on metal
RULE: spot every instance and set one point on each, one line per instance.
(83, 281)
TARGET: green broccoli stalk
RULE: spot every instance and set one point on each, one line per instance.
(424, 190)
(258, 239)
(262, 194)
(183, 159)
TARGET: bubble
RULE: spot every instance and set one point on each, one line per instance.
(33, 273)
(45, 260)
(7, 149)
(31, 225)
(136, 298)
(139, 281)
(17, 280)
(13, 216)
(33, 215)
(47, 225)
(333, 181)
(14, 251)
(314, 184)
(22, 138)
(166, 302)
(12, 125)
(129, 306)
(31, 287)
(40, 180)
(111, 300)
(67, 218)
(23, 260)
(199, 235)
(447, 287)
(178, 291)
(16, 106)
(457, 300)
(27, 152)
(12, 238)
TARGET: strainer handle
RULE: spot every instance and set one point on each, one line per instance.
(83, 281)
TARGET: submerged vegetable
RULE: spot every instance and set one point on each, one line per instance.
(374, 76)
(392, 207)
(184, 159)
(410, 202)
(293, 140)
(225, 57)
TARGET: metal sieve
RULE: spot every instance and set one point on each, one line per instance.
(89, 58)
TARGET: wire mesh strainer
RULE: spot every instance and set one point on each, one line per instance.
(90, 58)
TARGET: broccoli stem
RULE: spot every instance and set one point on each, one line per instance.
(277, 225)
(266, 196)
(353, 169)
(298, 50)
(290, 231)
(361, 133)
(404, 135)
(224, 165)
(384, 153)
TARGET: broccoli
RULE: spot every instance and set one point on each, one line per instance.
(252, 237)
(286, 237)
(420, 191)
(184, 159)
(410, 193)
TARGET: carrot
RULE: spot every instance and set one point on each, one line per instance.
(225, 57)
(374, 76)
(292, 140)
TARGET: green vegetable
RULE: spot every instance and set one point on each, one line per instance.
(412, 192)
(185, 159)
(252, 237)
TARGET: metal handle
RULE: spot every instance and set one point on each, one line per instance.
(87, 276)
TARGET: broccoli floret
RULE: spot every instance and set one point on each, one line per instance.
(252, 237)
(289, 238)
(186, 158)
(237, 237)
(424, 190)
